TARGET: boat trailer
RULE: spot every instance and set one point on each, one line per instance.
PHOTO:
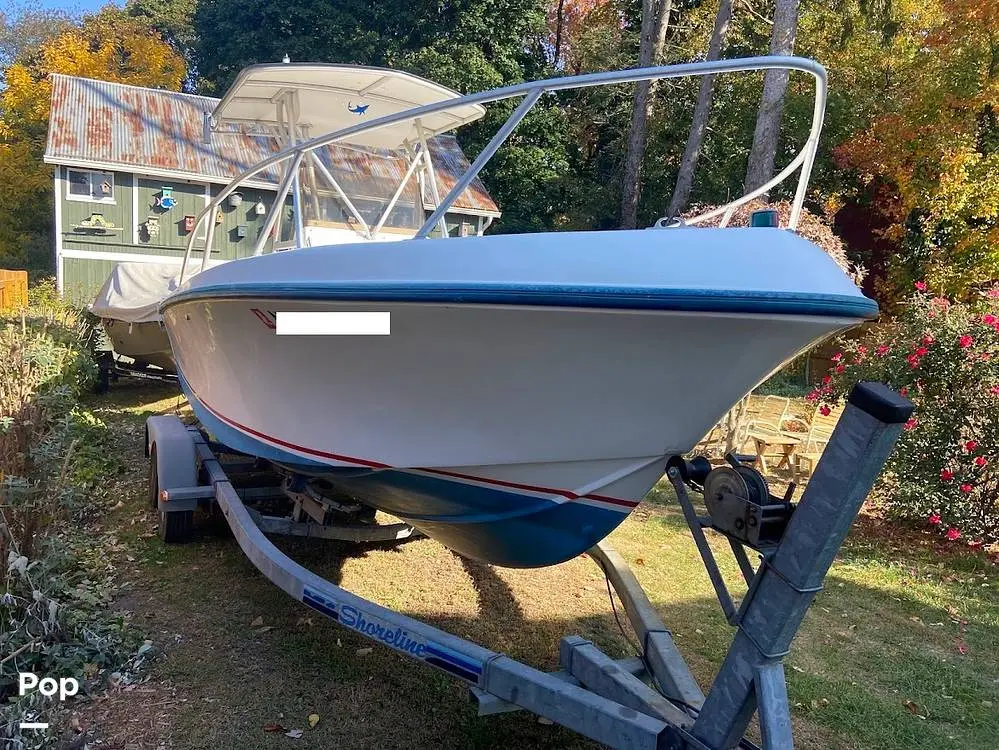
(647, 702)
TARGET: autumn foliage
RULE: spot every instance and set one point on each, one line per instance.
(109, 46)
(944, 356)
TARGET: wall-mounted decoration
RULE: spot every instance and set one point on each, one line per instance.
(188, 223)
(235, 199)
(151, 228)
(219, 216)
(241, 231)
(96, 224)
(260, 208)
(165, 199)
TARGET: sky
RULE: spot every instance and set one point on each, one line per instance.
(81, 6)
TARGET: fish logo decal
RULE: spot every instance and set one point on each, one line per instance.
(359, 110)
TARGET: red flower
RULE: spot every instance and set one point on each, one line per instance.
(970, 445)
(994, 292)
(813, 396)
(980, 461)
(966, 488)
(927, 339)
(861, 349)
(922, 351)
(953, 534)
(904, 390)
(911, 424)
(826, 380)
(882, 349)
(913, 361)
(934, 519)
(825, 411)
(989, 319)
(965, 341)
(840, 369)
(837, 356)
(977, 544)
(921, 286)
(994, 390)
(942, 302)
(946, 475)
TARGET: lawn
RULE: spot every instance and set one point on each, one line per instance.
(901, 650)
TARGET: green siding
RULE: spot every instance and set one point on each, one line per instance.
(83, 277)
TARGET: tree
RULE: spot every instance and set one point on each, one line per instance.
(655, 22)
(699, 125)
(108, 46)
(25, 26)
(764, 151)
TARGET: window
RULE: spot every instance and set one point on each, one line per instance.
(89, 185)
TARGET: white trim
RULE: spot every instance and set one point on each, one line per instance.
(89, 198)
(135, 208)
(56, 179)
(125, 257)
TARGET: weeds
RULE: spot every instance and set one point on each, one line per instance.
(54, 617)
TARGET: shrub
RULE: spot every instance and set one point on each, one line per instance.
(943, 356)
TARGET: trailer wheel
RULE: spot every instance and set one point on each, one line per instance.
(154, 480)
(177, 527)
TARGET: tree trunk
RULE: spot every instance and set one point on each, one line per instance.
(761, 158)
(699, 125)
(655, 22)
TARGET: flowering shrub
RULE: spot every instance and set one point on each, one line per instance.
(944, 357)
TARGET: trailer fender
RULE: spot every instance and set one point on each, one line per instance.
(175, 454)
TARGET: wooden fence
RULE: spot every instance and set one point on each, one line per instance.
(13, 290)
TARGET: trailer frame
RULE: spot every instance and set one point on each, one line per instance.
(648, 702)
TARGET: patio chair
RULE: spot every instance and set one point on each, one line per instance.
(819, 431)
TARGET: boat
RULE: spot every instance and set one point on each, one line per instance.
(531, 388)
(346, 194)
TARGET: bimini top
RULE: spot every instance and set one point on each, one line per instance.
(331, 97)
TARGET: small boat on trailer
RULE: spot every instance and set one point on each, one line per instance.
(527, 393)
(340, 194)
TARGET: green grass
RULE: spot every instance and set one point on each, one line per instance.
(883, 635)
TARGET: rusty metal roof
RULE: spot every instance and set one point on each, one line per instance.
(129, 128)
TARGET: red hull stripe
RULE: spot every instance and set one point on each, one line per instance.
(376, 465)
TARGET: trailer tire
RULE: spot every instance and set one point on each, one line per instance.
(177, 527)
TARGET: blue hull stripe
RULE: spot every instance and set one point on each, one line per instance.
(548, 295)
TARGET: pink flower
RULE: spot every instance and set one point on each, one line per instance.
(927, 339)
(980, 461)
(825, 411)
(994, 390)
(994, 292)
(837, 356)
(977, 544)
(911, 424)
(861, 349)
(953, 534)
(946, 475)
(840, 369)
(966, 488)
(913, 361)
(922, 351)
(826, 380)
(813, 396)
(942, 302)
(904, 390)
(921, 286)
(882, 349)
(965, 341)
(934, 519)
(970, 445)
(989, 319)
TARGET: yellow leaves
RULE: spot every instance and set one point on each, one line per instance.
(109, 46)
